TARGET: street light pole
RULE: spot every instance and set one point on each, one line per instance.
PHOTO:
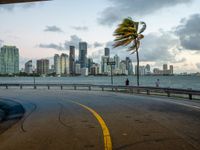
(111, 75)
(34, 79)
(111, 63)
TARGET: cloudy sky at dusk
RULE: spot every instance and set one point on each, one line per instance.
(42, 29)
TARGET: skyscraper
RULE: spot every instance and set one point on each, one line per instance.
(64, 64)
(83, 54)
(43, 66)
(28, 67)
(9, 60)
(57, 64)
(107, 52)
(104, 66)
(72, 60)
(129, 66)
(117, 61)
(165, 68)
(171, 68)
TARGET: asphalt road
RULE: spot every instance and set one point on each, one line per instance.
(96, 120)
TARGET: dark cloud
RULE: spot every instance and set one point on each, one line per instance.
(80, 28)
(53, 29)
(52, 46)
(97, 44)
(189, 32)
(123, 8)
(74, 40)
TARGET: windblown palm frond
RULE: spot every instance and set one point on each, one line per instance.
(144, 26)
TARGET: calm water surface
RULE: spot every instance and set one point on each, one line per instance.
(184, 82)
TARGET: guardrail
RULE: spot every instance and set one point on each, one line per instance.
(131, 89)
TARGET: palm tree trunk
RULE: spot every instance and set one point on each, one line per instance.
(138, 63)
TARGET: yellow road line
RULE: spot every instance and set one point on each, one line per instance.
(106, 133)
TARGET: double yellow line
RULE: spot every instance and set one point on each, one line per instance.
(106, 133)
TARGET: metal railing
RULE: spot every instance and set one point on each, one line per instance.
(116, 88)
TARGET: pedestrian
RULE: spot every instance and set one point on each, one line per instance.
(157, 83)
(127, 82)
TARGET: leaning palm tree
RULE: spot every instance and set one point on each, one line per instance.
(127, 34)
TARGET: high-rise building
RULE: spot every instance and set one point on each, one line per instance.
(28, 67)
(9, 60)
(89, 64)
(129, 66)
(43, 66)
(141, 70)
(72, 60)
(78, 69)
(64, 64)
(57, 69)
(147, 69)
(104, 66)
(107, 52)
(83, 54)
(171, 68)
(117, 61)
(123, 67)
(165, 68)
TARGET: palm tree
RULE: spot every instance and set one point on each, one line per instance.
(127, 34)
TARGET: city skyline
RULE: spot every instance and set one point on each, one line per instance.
(54, 34)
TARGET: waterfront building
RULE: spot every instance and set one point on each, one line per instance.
(129, 66)
(107, 52)
(57, 68)
(171, 68)
(142, 70)
(89, 64)
(117, 61)
(9, 60)
(165, 69)
(64, 64)
(43, 66)
(77, 69)
(123, 67)
(84, 71)
(28, 67)
(83, 54)
(104, 66)
(95, 69)
(72, 60)
(147, 69)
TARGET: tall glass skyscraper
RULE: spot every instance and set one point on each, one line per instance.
(72, 60)
(83, 54)
(9, 60)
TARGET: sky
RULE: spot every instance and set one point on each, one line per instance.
(43, 29)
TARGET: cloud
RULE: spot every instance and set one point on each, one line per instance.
(150, 50)
(52, 46)
(53, 29)
(198, 65)
(123, 8)
(189, 32)
(1, 42)
(80, 28)
(97, 44)
(74, 40)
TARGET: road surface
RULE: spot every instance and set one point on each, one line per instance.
(96, 120)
